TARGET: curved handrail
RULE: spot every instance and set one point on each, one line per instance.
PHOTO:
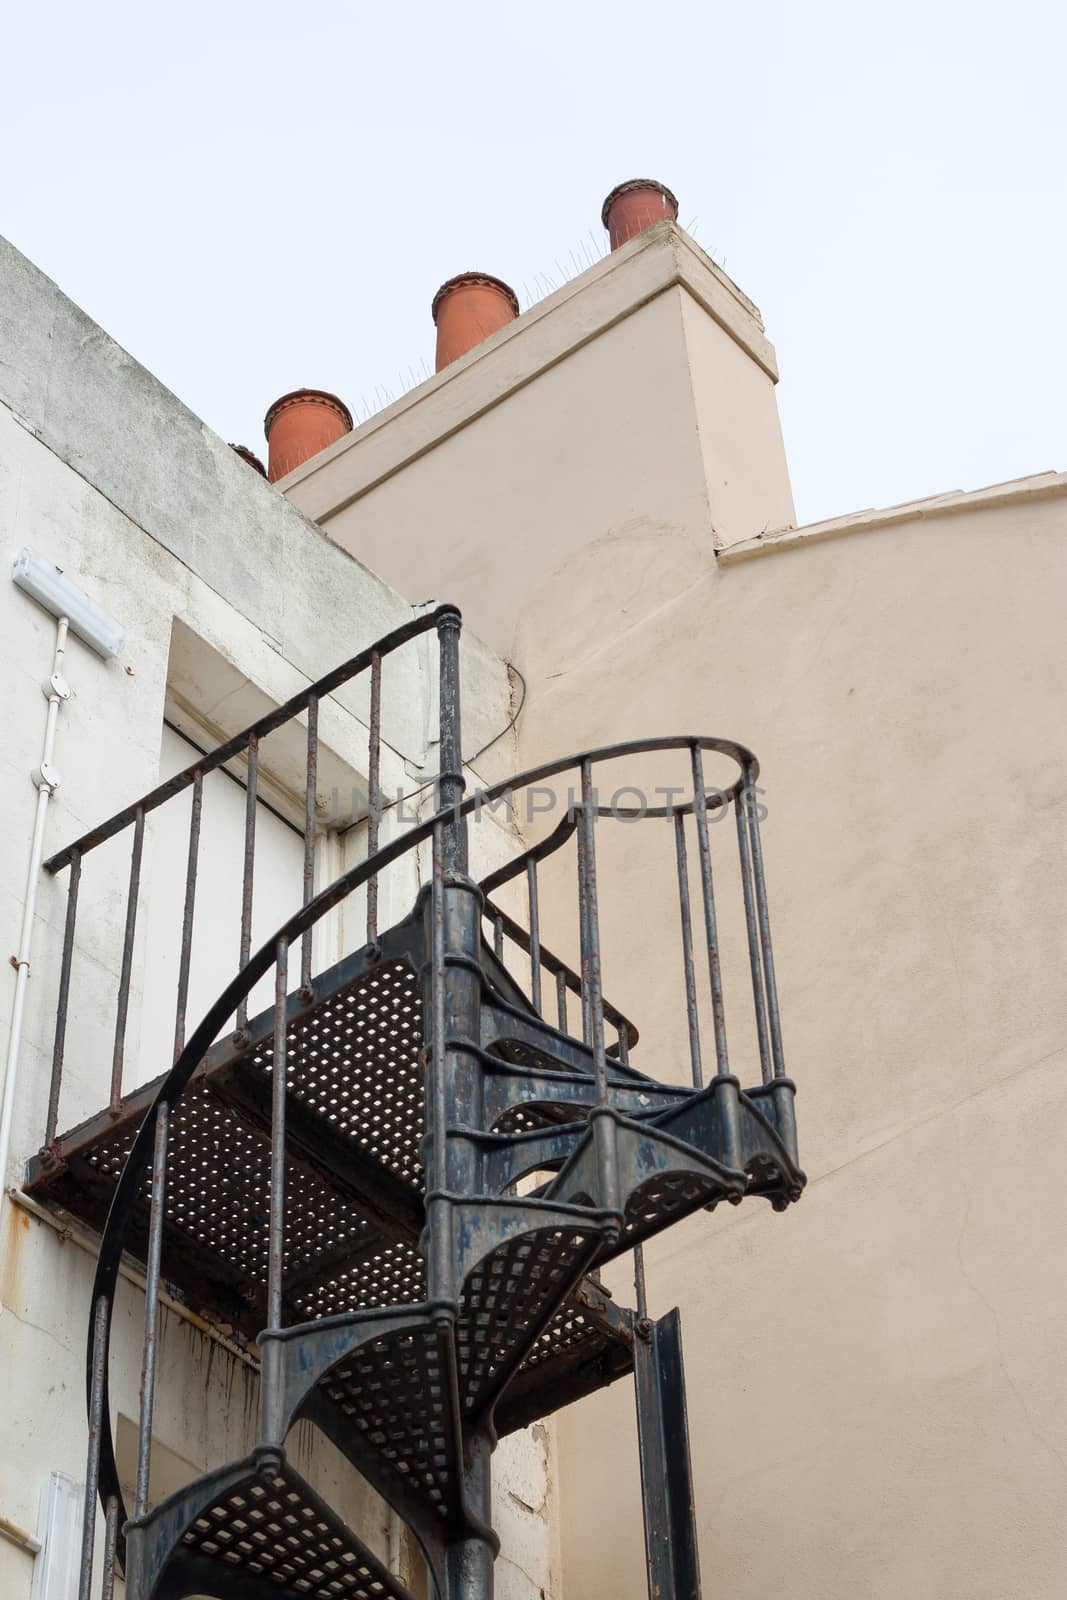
(200, 1040)
(566, 829)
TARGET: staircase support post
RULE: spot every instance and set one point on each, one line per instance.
(666, 1470)
(457, 1101)
(469, 1562)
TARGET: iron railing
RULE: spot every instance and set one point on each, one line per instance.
(547, 982)
(149, 1150)
(132, 818)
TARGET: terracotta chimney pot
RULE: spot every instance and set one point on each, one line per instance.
(467, 309)
(250, 456)
(632, 207)
(301, 424)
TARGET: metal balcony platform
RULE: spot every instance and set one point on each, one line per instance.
(354, 1180)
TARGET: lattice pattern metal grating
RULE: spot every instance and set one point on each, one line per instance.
(567, 1330)
(392, 1393)
(666, 1199)
(389, 1275)
(271, 1529)
(506, 1296)
(218, 1185)
(354, 1060)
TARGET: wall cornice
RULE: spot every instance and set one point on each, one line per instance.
(1038, 486)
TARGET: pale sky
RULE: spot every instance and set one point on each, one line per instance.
(252, 197)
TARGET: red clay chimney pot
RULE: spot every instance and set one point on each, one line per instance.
(632, 207)
(301, 424)
(250, 456)
(467, 309)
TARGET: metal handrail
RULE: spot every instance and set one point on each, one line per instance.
(249, 736)
(526, 865)
(247, 742)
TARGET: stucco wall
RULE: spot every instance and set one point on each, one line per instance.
(876, 1394)
(567, 457)
(876, 1399)
(637, 400)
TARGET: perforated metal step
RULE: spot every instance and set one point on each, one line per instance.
(716, 1145)
(254, 1529)
(509, 1299)
(403, 1387)
(353, 1176)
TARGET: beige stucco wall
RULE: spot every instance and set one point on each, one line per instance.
(876, 1397)
(582, 467)
(876, 1394)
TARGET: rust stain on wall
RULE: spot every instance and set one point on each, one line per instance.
(18, 1225)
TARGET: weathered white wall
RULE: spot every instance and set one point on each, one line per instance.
(105, 473)
(216, 942)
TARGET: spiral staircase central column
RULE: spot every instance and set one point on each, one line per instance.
(469, 1562)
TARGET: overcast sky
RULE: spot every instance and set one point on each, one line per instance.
(251, 197)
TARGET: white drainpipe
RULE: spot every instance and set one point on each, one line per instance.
(46, 779)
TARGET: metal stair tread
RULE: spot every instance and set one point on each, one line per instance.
(266, 1524)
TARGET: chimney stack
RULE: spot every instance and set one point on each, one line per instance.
(467, 310)
(632, 207)
(301, 424)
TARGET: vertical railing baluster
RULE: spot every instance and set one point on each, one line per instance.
(310, 787)
(535, 935)
(248, 878)
(126, 974)
(695, 1060)
(498, 936)
(640, 1288)
(587, 893)
(439, 1256)
(374, 790)
(561, 1001)
(97, 1372)
(111, 1540)
(764, 921)
(151, 1309)
(752, 929)
(276, 1225)
(188, 911)
(583, 935)
(624, 1044)
(63, 1000)
(700, 813)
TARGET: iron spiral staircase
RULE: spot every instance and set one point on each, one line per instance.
(401, 1180)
